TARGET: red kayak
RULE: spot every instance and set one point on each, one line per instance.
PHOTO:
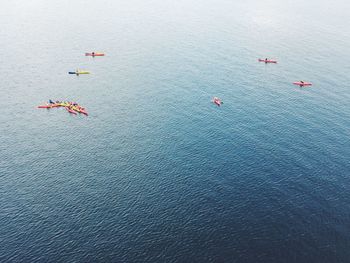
(44, 107)
(217, 101)
(71, 111)
(267, 60)
(95, 54)
(302, 84)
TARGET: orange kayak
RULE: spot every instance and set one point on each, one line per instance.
(48, 106)
(94, 54)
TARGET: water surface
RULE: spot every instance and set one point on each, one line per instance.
(156, 172)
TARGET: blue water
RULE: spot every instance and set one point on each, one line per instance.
(156, 172)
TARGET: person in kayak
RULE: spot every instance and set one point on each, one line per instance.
(266, 60)
(301, 83)
(93, 54)
(51, 102)
(77, 72)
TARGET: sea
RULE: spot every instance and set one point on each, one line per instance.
(157, 172)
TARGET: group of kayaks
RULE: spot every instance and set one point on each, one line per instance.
(75, 108)
(300, 83)
(82, 72)
(71, 107)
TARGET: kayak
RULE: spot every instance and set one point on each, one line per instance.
(267, 61)
(302, 84)
(79, 72)
(217, 101)
(45, 107)
(95, 55)
(82, 111)
(79, 110)
(71, 111)
(49, 106)
(62, 104)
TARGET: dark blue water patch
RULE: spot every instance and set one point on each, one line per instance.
(156, 172)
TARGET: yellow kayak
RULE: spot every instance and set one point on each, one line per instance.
(62, 104)
(78, 72)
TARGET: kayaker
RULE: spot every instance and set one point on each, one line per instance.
(77, 72)
(51, 102)
(93, 54)
(265, 60)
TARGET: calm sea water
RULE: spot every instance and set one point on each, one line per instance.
(157, 173)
